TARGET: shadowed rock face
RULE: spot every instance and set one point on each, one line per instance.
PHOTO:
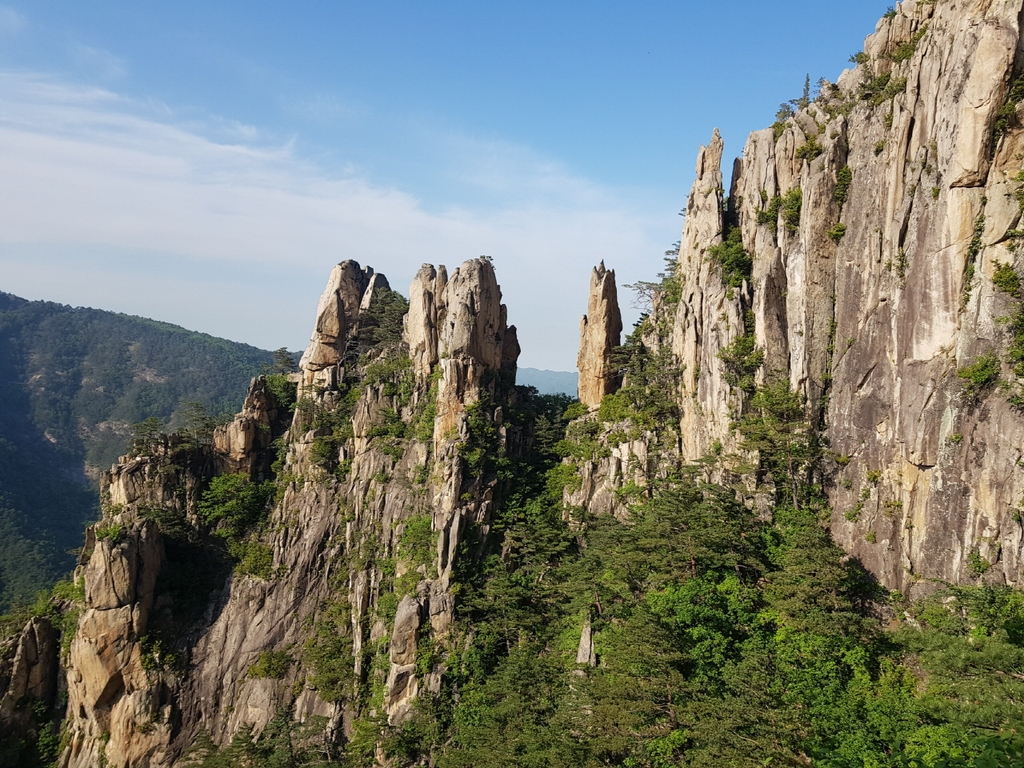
(29, 672)
(600, 333)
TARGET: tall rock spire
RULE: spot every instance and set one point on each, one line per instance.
(600, 333)
(350, 289)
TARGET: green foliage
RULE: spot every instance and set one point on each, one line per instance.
(978, 565)
(810, 149)
(271, 664)
(974, 248)
(770, 214)
(741, 359)
(482, 451)
(284, 743)
(906, 50)
(877, 90)
(980, 374)
(1006, 279)
(844, 180)
(394, 373)
(253, 558)
(859, 58)
(777, 428)
(381, 322)
(649, 381)
(736, 264)
(235, 504)
(113, 533)
(284, 391)
(1006, 118)
(236, 508)
(837, 233)
(614, 407)
(328, 653)
(418, 542)
(792, 202)
(147, 435)
(574, 411)
(333, 429)
(156, 654)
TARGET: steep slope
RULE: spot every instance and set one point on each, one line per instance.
(397, 557)
(72, 383)
(384, 474)
(867, 246)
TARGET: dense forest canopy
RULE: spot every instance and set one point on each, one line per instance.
(73, 381)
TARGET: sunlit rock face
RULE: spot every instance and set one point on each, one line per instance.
(600, 333)
(872, 286)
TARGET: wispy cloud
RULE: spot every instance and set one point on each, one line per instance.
(99, 62)
(11, 21)
(108, 202)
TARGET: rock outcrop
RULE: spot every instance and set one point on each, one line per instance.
(380, 440)
(874, 220)
(600, 333)
(350, 288)
(29, 676)
(114, 710)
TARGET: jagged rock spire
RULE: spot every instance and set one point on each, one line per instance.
(600, 333)
(350, 288)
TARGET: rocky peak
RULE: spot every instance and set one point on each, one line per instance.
(461, 325)
(600, 333)
(426, 305)
(350, 288)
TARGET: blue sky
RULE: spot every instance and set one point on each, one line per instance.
(206, 163)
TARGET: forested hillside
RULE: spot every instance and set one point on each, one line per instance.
(73, 381)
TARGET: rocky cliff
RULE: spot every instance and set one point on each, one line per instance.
(394, 556)
(333, 596)
(867, 254)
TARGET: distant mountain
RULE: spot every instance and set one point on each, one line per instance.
(73, 381)
(548, 382)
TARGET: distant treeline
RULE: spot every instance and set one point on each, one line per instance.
(73, 381)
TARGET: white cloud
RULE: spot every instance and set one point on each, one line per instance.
(109, 203)
(11, 22)
(99, 62)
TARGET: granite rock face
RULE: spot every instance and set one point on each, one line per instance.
(29, 673)
(351, 493)
(872, 285)
(600, 333)
(350, 288)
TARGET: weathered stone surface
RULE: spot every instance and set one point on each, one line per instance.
(110, 694)
(29, 672)
(708, 315)
(402, 684)
(600, 333)
(350, 288)
(426, 305)
(871, 323)
(880, 320)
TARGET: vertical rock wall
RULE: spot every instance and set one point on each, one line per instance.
(871, 299)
